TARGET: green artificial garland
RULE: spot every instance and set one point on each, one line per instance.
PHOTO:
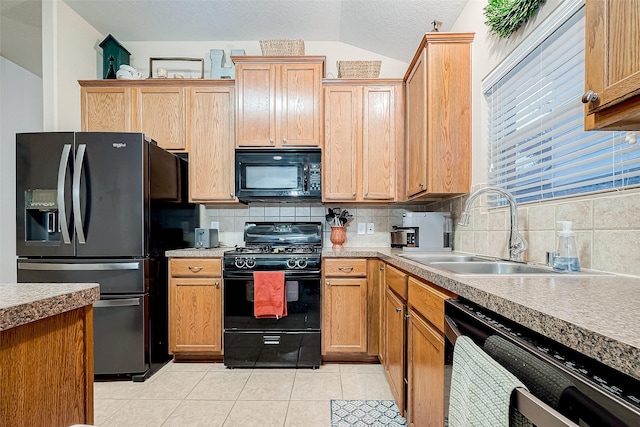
(504, 17)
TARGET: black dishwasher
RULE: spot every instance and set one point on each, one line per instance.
(587, 392)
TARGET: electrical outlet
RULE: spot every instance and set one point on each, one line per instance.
(215, 225)
(362, 228)
(370, 228)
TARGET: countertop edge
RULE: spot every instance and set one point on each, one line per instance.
(49, 299)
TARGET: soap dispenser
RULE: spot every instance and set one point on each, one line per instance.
(566, 259)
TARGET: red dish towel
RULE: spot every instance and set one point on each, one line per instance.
(269, 294)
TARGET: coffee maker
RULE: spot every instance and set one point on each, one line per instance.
(423, 231)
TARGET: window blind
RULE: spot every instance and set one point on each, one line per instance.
(538, 149)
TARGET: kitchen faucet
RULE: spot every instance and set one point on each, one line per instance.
(517, 243)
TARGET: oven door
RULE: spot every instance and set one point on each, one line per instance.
(292, 341)
(303, 305)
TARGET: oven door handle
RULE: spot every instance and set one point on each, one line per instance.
(307, 275)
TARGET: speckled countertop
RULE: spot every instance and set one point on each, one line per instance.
(596, 315)
(21, 303)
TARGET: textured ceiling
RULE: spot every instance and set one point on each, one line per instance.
(392, 28)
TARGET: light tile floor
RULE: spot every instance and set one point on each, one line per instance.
(208, 394)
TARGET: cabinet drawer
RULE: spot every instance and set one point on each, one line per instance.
(396, 280)
(345, 267)
(428, 301)
(196, 267)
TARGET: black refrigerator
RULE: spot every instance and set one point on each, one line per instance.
(103, 207)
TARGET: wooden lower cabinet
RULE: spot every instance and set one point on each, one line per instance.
(394, 361)
(425, 373)
(344, 305)
(195, 307)
(46, 371)
(425, 353)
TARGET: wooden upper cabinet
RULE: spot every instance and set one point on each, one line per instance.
(612, 64)
(279, 101)
(212, 144)
(342, 133)
(417, 127)
(161, 115)
(105, 109)
(363, 136)
(438, 117)
(256, 86)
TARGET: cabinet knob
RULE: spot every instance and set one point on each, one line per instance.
(398, 310)
(216, 284)
(421, 184)
(328, 283)
(232, 195)
(195, 269)
(381, 268)
(589, 96)
(366, 194)
(353, 194)
(271, 140)
(284, 140)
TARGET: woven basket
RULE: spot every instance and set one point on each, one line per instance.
(282, 47)
(358, 69)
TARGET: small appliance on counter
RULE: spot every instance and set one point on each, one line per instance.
(403, 237)
(206, 238)
(423, 231)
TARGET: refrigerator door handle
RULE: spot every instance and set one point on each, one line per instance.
(126, 302)
(62, 210)
(76, 267)
(77, 215)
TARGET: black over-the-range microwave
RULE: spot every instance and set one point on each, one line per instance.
(278, 174)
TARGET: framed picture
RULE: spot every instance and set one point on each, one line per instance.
(176, 67)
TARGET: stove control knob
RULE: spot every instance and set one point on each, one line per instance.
(291, 263)
(301, 263)
(250, 262)
(240, 262)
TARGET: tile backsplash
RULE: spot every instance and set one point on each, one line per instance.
(607, 226)
(231, 220)
(607, 229)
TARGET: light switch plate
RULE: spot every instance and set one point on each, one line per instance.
(370, 228)
(362, 228)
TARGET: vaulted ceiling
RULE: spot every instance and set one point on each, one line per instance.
(392, 28)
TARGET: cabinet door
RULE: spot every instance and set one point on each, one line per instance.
(375, 308)
(195, 324)
(395, 346)
(106, 109)
(344, 326)
(300, 113)
(425, 360)
(212, 144)
(613, 62)
(378, 143)
(340, 162)
(256, 119)
(416, 122)
(160, 115)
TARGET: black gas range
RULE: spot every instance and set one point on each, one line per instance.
(290, 341)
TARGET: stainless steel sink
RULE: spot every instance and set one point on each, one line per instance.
(427, 258)
(492, 268)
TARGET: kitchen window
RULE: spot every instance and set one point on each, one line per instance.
(538, 149)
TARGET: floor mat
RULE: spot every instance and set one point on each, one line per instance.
(360, 413)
